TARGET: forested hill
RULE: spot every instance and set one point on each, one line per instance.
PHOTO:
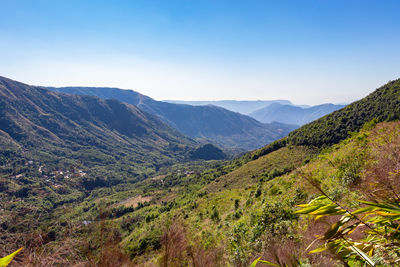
(84, 128)
(204, 123)
(381, 105)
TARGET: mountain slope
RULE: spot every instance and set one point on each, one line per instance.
(292, 114)
(36, 119)
(241, 106)
(204, 123)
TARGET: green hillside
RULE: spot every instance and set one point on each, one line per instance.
(249, 211)
(111, 142)
(228, 213)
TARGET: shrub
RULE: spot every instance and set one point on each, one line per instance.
(215, 215)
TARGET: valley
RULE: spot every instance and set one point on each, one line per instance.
(87, 181)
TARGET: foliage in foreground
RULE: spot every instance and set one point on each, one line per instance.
(379, 223)
(368, 234)
(357, 217)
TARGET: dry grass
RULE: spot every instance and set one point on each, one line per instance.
(180, 250)
(381, 177)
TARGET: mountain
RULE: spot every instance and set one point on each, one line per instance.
(243, 107)
(55, 127)
(208, 124)
(293, 114)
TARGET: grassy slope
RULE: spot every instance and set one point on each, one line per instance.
(282, 160)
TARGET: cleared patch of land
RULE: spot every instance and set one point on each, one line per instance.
(134, 201)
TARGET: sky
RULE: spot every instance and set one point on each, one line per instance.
(306, 51)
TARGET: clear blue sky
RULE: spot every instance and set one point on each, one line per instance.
(307, 51)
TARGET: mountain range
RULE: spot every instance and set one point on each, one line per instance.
(291, 114)
(268, 111)
(207, 124)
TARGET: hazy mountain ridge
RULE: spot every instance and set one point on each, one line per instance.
(242, 106)
(205, 123)
(268, 111)
(293, 114)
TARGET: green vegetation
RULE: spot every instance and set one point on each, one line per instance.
(148, 205)
(378, 222)
(260, 217)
